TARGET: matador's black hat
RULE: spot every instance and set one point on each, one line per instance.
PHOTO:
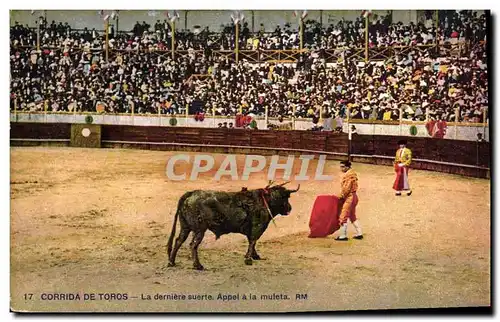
(346, 163)
(404, 142)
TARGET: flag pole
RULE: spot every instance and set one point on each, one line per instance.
(117, 21)
(172, 24)
(266, 116)
(366, 38)
(159, 115)
(484, 123)
(38, 35)
(74, 114)
(45, 109)
(213, 115)
(133, 112)
(437, 31)
(349, 133)
(301, 29)
(237, 40)
(106, 23)
(477, 155)
(400, 118)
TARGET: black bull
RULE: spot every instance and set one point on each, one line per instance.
(245, 212)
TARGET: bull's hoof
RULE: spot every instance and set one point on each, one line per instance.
(198, 267)
(248, 261)
(170, 264)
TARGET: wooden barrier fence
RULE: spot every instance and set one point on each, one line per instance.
(467, 158)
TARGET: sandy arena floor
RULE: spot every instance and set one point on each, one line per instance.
(97, 221)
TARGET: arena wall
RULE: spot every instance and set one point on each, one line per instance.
(452, 156)
(460, 132)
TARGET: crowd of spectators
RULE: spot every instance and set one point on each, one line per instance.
(71, 73)
(453, 25)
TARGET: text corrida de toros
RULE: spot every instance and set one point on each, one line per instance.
(84, 297)
(204, 163)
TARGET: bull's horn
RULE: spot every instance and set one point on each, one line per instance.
(270, 183)
(281, 185)
(295, 189)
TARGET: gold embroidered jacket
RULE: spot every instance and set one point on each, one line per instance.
(349, 183)
(403, 156)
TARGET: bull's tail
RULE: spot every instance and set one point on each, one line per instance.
(172, 234)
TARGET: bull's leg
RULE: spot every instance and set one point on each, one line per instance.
(251, 248)
(191, 244)
(254, 252)
(198, 237)
(178, 243)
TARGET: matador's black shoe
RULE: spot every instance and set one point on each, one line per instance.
(358, 237)
(409, 193)
(341, 239)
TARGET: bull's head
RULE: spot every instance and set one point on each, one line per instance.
(277, 197)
